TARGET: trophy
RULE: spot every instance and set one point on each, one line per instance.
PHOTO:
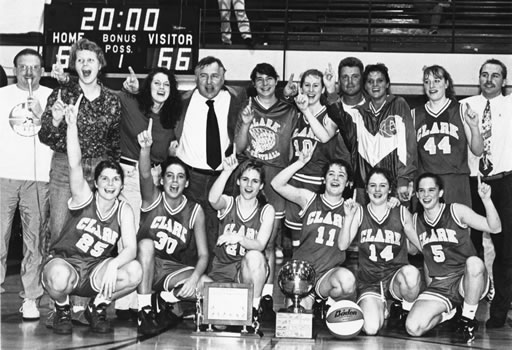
(296, 279)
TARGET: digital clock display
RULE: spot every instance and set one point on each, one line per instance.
(143, 37)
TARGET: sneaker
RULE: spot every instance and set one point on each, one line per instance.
(62, 319)
(397, 316)
(165, 316)
(97, 317)
(266, 311)
(49, 318)
(320, 309)
(146, 321)
(29, 310)
(466, 330)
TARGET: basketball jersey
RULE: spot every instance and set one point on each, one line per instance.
(270, 132)
(442, 143)
(445, 242)
(172, 230)
(304, 138)
(382, 244)
(87, 233)
(321, 224)
(232, 221)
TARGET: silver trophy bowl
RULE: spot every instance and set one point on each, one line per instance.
(296, 279)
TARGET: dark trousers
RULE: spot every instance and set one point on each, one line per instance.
(502, 266)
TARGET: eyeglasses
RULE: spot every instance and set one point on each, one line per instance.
(25, 68)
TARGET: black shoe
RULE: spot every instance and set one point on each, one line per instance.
(165, 317)
(494, 323)
(126, 315)
(466, 330)
(62, 319)
(97, 317)
(397, 316)
(249, 43)
(146, 321)
(320, 309)
(266, 311)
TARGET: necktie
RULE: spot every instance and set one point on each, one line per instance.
(213, 154)
(485, 165)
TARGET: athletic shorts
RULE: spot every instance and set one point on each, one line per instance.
(449, 290)
(166, 270)
(373, 290)
(87, 284)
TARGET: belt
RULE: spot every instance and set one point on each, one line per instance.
(497, 176)
(131, 162)
(205, 171)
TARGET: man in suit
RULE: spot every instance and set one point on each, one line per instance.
(195, 133)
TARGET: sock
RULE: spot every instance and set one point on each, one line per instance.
(100, 299)
(268, 289)
(256, 302)
(469, 311)
(144, 300)
(66, 302)
(407, 305)
(169, 297)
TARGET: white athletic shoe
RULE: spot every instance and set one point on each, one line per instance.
(29, 310)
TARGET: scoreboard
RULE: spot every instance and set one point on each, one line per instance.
(143, 37)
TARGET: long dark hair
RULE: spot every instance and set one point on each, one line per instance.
(171, 110)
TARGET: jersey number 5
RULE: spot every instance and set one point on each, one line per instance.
(437, 253)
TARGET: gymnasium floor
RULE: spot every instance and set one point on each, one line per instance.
(16, 334)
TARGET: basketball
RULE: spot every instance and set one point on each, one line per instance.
(344, 319)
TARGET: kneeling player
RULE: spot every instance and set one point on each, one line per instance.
(172, 230)
(246, 223)
(322, 219)
(458, 275)
(381, 234)
(81, 260)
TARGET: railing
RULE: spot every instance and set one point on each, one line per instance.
(379, 25)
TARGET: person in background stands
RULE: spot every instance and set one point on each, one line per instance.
(244, 26)
(24, 174)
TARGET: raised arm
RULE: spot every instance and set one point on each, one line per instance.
(280, 183)
(242, 128)
(491, 222)
(149, 192)
(472, 130)
(350, 223)
(80, 190)
(319, 130)
(217, 201)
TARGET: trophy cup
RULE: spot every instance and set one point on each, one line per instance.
(296, 279)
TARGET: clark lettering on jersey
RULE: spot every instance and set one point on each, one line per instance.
(386, 236)
(92, 226)
(438, 128)
(439, 235)
(315, 217)
(173, 227)
(248, 232)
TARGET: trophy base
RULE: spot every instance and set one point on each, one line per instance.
(294, 325)
(210, 332)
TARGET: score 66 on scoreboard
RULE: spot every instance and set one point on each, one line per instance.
(143, 37)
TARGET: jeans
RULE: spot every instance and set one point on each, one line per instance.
(32, 198)
(241, 18)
